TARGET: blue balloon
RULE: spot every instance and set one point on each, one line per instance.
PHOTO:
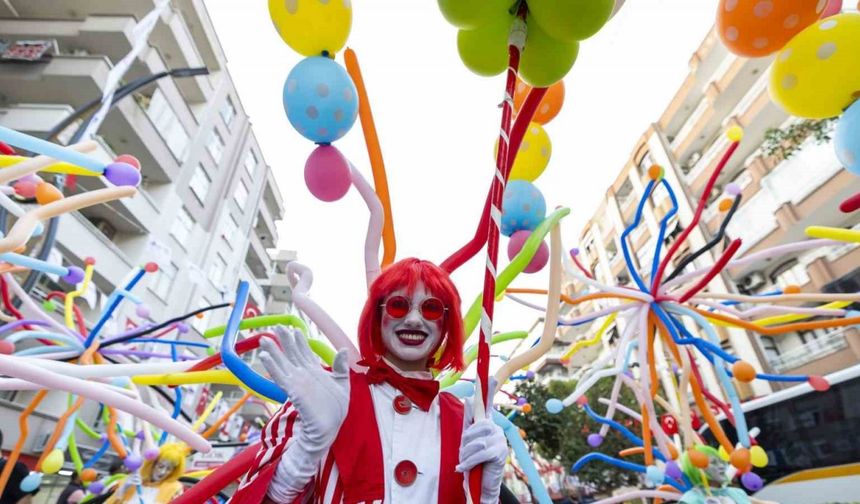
(554, 406)
(654, 475)
(847, 139)
(523, 207)
(31, 482)
(320, 99)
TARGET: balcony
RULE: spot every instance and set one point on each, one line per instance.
(75, 80)
(171, 37)
(257, 259)
(793, 196)
(811, 351)
(78, 238)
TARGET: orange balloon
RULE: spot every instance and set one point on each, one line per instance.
(698, 458)
(47, 193)
(756, 28)
(89, 474)
(740, 458)
(549, 106)
(743, 371)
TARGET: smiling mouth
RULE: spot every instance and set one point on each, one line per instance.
(411, 338)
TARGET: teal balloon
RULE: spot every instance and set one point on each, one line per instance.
(545, 60)
(554, 406)
(484, 50)
(470, 14)
(523, 207)
(571, 20)
(847, 140)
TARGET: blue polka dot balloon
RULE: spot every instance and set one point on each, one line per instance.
(847, 139)
(320, 99)
(523, 207)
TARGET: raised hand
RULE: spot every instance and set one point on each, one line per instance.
(320, 397)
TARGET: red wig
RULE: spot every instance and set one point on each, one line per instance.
(407, 273)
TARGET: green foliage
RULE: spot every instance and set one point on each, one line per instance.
(783, 143)
(562, 437)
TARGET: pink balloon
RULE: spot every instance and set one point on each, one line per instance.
(327, 173)
(541, 257)
(833, 7)
(25, 188)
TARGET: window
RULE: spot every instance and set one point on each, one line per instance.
(250, 162)
(216, 271)
(200, 184)
(182, 226)
(229, 228)
(167, 124)
(164, 280)
(228, 111)
(240, 195)
(215, 145)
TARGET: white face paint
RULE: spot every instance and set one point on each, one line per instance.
(410, 340)
(717, 470)
(161, 470)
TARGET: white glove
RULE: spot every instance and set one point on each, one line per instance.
(321, 399)
(484, 443)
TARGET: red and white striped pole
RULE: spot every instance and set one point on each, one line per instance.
(516, 41)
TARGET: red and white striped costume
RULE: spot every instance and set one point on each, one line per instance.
(372, 441)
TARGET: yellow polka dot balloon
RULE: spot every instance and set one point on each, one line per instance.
(817, 74)
(312, 27)
(533, 156)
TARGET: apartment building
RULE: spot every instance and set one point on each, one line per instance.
(208, 203)
(780, 197)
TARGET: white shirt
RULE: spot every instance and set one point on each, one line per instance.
(415, 436)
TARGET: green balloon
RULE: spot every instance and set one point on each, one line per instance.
(470, 14)
(545, 60)
(484, 50)
(571, 20)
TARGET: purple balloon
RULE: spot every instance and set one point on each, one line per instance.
(122, 174)
(539, 260)
(150, 453)
(673, 470)
(133, 462)
(327, 173)
(142, 311)
(595, 440)
(752, 481)
(182, 328)
(521, 401)
(732, 189)
(96, 487)
(74, 276)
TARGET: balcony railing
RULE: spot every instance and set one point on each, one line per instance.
(690, 123)
(820, 347)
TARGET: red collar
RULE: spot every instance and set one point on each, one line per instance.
(420, 391)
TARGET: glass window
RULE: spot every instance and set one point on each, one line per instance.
(229, 228)
(250, 162)
(228, 111)
(215, 145)
(164, 280)
(165, 121)
(216, 271)
(200, 183)
(182, 226)
(240, 195)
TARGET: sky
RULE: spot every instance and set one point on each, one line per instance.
(437, 123)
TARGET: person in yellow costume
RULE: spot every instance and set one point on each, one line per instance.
(158, 479)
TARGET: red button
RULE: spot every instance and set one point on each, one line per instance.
(405, 473)
(402, 404)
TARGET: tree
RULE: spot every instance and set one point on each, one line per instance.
(562, 437)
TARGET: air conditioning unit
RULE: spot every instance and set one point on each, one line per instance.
(752, 282)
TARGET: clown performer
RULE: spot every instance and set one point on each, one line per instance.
(710, 484)
(387, 434)
(158, 480)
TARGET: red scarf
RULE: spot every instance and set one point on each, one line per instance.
(419, 391)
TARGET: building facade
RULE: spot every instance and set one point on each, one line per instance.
(208, 203)
(780, 197)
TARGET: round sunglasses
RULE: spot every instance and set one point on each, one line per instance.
(399, 306)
